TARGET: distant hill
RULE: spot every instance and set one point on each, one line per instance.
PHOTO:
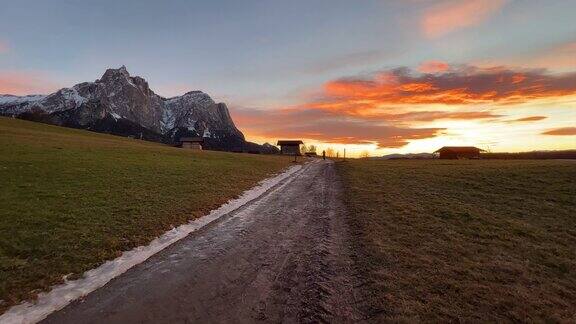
(533, 155)
(538, 155)
(411, 156)
(121, 104)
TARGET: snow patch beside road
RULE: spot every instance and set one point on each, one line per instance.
(63, 294)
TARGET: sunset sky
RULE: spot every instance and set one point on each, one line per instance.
(392, 76)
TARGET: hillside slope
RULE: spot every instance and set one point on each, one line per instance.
(71, 199)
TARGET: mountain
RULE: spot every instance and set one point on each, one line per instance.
(121, 104)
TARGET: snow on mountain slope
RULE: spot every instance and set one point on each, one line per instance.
(10, 99)
(14, 105)
(121, 97)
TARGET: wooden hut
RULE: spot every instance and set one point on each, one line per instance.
(193, 143)
(459, 152)
(290, 147)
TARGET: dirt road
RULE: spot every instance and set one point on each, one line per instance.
(282, 258)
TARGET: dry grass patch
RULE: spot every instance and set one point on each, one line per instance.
(465, 240)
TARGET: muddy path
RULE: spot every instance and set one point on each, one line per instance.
(285, 257)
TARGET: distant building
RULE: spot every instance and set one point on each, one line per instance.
(459, 152)
(193, 143)
(290, 147)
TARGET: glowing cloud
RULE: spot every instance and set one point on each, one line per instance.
(565, 131)
(421, 116)
(327, 126)
(457, 14)
(385, 130)
(464, 85)
(392, 107)
(527, 119)
(433, 67)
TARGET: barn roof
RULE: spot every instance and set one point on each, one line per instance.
(196, 139)
(290, 142)
(459, 149)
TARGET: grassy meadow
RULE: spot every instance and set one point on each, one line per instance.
(470, 241)
(71, 199)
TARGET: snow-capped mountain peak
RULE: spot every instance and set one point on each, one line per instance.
(120, 97)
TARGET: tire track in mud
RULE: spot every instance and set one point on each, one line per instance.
(282, 258)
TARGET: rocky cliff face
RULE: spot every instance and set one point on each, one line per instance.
(121, 104)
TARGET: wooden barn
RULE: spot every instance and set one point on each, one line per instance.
(193, 143)
(290, 147)
(459, 152)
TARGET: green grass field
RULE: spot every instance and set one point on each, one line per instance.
(71, 199)
(465, 240)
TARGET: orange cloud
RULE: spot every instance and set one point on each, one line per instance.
(457, 14)
(517, 78)
(351, 132)
(463, 85)
(384, 129)
(439, 115)
(433, 67)
(384, 107)
(22, 83)
(565, 131)
(527, 119)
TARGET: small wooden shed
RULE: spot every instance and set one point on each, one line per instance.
(290, 147)
(459, 152)
(193, 143)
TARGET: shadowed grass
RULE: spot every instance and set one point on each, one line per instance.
(71, 199)
(465, 240)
